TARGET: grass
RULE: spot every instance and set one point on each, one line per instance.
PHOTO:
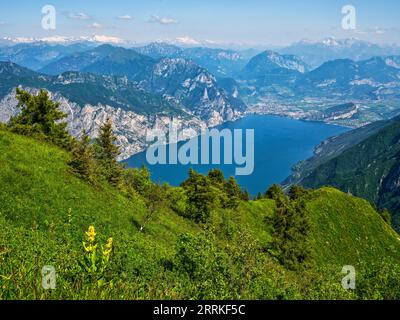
(45, 211)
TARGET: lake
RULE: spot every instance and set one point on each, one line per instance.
(279, 143)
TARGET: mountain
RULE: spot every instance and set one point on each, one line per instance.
(220, 62)
(368, 168)
(316, 53)
(39, 54)
(158, 50)
(46, 209)
(118, 61)
(269, 61)
(194, 87)
(269, 69)
(102, 58)
(64, 40)
(374, 78)
(179, 79)
(170, 88)
(89, 99)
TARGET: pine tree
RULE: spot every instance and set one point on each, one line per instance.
(290, 233)
(276, 193)
(107, 154)
(233, 192)
(296, 192)
(202, 196)
(40, 117)
(83, 162)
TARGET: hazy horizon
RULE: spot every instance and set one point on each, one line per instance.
(253, 23)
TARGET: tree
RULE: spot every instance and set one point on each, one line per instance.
(216, 176)
(296, 192)
(275, 192)
(107, 154)
(137, 178)
(83, 161)
(202, 196)
(40, 117)
(234, 193)
(155, 198)
(291, 226)
(245, 195)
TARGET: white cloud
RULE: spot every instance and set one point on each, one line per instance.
(125, 17)
(95, 25)
(78, 16)
(162, 20)
(2, 23)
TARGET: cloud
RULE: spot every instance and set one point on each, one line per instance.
(125, 17)
(162, 20)
(3, 23)
(78, 16)
(95, 25)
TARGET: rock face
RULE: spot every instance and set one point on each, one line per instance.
(130, 127)
(173, 89)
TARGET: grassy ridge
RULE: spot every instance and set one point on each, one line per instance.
(45, 210)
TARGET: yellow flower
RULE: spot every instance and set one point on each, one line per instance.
(91, 234)
(108, 247)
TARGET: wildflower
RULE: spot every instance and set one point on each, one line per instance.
(108, 247)
(91, 234)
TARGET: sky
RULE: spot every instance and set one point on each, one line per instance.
(250, 22)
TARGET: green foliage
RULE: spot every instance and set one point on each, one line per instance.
(40, 117)
(369, 169)
(83, 158)
(233, 192)
(296, 192)
(107, 153)
(202, 196)
(45, 210)
(178, 200)
(137, 180)
(386, 216)
(275, 192)
(290, 233)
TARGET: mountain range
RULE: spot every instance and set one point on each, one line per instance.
(207, 85)
(316, 53)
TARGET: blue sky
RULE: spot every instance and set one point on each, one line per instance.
(273, 22)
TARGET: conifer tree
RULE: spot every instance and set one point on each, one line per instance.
(40, 117)
(202, 196)
(275, 192)
(83, 161)
(107, 154)
(290, 233)
(233, 192)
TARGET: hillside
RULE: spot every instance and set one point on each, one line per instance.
(332, 148)
(369, 169)
(45, 211)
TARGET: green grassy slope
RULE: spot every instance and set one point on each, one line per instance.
(45, 211)
(369, 169)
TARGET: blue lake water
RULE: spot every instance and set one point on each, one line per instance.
(279, 143)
